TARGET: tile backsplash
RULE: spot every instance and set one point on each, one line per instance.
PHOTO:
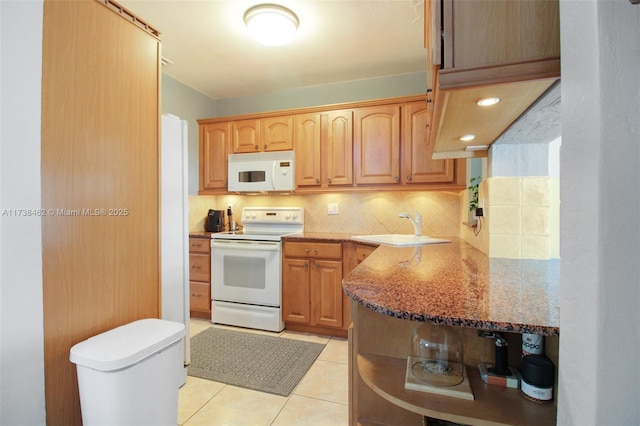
(522, 218)
(360, 213)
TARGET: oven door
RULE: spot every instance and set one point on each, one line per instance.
(246, 271)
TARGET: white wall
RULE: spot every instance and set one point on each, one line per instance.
(600, 276)
(21, 333)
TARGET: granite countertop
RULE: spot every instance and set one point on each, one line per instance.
(201, 234)
(455, 284)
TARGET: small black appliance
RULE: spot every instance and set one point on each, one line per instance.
(214, 221)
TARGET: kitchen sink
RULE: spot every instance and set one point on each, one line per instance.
(399, 240)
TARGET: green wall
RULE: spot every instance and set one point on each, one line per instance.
(326, 94)
(188, 104)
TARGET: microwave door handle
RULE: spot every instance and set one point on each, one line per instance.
(273, 176)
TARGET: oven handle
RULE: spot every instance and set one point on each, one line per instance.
(238, 245)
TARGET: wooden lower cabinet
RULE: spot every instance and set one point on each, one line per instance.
(313, 299)
(200, 277)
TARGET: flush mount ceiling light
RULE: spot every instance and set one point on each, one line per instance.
(271, 24)
(488, 101)
(467, 138)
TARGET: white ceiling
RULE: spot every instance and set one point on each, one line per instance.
(338, 40)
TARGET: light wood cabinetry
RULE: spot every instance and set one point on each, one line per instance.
(308, 149)
(268, 134)
(200, 277)
(417, 149)
(313, 299)
(494, 48)
(363, 251)
(214, 151)
(382, 144)
(324, 149)
(245, 136)
(337, 138)
(100, 150)
(377, 144)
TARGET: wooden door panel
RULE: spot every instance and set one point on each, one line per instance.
(295, 291)
(377, 145)
(100, 155)
(327, 293)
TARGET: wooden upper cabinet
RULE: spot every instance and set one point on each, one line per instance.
(377, 144)
(214, 151)
(308, 149)
(324, 149)
(479, 33)
(245, 135)
(277, 133)
(268, 134)
(337, 141)
(417, 149)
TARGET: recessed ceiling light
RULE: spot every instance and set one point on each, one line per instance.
(271, 24)
(488, 101)
(467, 138)
(476, 147)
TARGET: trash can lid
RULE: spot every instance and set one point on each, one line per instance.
(126, 345)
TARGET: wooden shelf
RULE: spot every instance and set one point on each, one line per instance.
(492, 405)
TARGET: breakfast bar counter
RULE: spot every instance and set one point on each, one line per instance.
(395, 289)
(456, 284)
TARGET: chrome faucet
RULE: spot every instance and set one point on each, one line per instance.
(417, 222)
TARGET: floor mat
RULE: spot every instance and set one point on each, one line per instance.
(253, 361)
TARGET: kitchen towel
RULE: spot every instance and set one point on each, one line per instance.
(253, 361)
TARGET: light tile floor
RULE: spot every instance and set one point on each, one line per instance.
(320, 399)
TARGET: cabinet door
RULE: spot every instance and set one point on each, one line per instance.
(199, 267)
(307, 135)
(377, 144)
(200, 296)
(326, 297)
(295, 291)
(244, 136)
(277, 133)
(417, 149)
(214, 150)
(337, 141)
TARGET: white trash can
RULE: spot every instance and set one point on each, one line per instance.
(130, 375)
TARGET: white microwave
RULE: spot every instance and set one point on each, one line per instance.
(262, 172)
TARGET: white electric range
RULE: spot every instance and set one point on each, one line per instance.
(246, 268)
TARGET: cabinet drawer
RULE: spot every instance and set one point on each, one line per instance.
(199, 267)
(363, 251)
(199, 245)
(313, 250)
(200, 296)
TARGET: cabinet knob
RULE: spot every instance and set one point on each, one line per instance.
(396, 178)
(317, 180)
(409, 177)
(196, 267)
(256, 147)
(265, 146)
(329, 181)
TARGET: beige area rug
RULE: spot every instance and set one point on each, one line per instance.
(253, 361)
